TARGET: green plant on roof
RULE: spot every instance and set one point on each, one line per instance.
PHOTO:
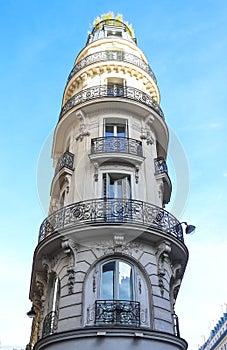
(113, 20)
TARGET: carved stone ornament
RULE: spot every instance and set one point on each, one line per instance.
(71, 279)
(162, 255)
(91, 314)
(41, 281)
(118, 245)
(96, 176)
(137, 174)
(83, 129)
(176, 281)
(70, 249)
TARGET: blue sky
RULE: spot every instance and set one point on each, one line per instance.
(186, 45)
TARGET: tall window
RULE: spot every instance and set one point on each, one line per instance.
(51, 319)
(116, 292)
(117, 281)
(116, 186)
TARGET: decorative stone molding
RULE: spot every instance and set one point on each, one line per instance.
(83, 129)
(94, 282)
(162, 256)
(70, 249)
(91, 314)
(53, 204)
(50, 263)
(68, 182)
(176, 282)
(96, 176)
(71, 279)
(146, 135)
(137, 174)
(41, 281)
(148, 82)
(118, 245)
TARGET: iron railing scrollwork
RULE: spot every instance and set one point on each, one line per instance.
(116, 144)
(109, 210)
(111, 55)
(111, 90)
(160, 165)
(65, 161)
(117, 312)
(50, 323)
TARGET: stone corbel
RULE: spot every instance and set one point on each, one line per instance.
(41, 281)
(70, 248)
(146, 130)
(46, 262)
(162, 256)
(83, 128)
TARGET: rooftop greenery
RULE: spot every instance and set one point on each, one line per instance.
(113, 20)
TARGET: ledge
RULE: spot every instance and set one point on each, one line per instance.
(105, 338)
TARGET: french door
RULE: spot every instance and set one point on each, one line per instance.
(116, 186)
(117, 191)
(115, 137)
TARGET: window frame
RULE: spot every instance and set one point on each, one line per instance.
(116, 280)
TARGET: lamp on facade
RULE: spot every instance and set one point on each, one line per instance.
(190, 229)
(31, 313)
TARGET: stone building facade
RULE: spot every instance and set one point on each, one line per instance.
(218, 336)
(110, 259)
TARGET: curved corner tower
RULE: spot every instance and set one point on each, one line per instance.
(109, 260)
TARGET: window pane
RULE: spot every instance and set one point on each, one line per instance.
(125, 281)
(108, 271)
(121, 130)
(109, 130)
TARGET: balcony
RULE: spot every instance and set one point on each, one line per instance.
(111, 91)
(117, 312)
(160, 166)
(109, 211)
(111, 55)
(104, 148)
(161, 172)
(50, 323)
(65, 161)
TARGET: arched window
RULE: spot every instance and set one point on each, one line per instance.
(116, 292)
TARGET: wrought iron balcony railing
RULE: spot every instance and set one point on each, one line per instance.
(160, 165)
(117, 312)
(111, 144)
(111, 55)
(65, 161)
(50, 323)
(107, 210)
(114, 90)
